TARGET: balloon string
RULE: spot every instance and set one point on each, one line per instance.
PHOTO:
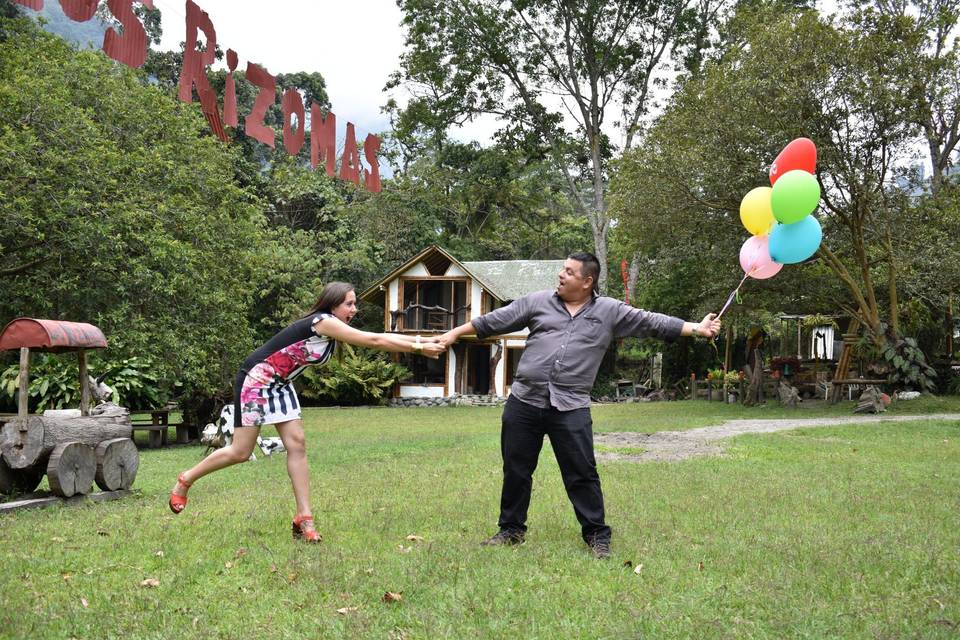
(734, 294)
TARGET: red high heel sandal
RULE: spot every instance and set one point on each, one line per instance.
(179, 503)
(303, 529)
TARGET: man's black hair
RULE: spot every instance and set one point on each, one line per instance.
(590, 268)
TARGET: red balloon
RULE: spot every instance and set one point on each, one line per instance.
(799, 154)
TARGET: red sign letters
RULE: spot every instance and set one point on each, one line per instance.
(130, 48)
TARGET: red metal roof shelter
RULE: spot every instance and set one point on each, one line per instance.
(55, 336)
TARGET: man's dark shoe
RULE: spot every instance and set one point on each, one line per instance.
(504, 538)
(600, 548)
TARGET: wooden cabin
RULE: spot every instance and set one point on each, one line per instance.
(433, 292)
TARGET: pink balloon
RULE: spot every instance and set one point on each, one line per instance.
(755, 258)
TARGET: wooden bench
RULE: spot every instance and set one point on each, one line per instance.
(156, 427)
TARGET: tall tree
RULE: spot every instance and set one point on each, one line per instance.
(786, 75)
(927, 31)
(537, 62)
(118, 211)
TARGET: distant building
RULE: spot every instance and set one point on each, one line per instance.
(433, 292)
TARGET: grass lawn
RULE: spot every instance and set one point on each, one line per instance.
(833, 532)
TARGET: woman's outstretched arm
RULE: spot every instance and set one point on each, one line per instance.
(334, 328)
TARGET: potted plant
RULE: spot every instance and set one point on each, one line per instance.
(731, 383)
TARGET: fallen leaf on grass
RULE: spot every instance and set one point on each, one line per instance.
(292, 577)
(150, 582)
(628, 563)
(700, 566)
(159, 554)
(84, 602)
(414, 538)
(67, 577)
(404, 549)
(57, 539)
(638, 569)
(273, 568)
(369, 572)
(240, 553)
(392, 596)
(345, 610)
(944, 623)
(228, 565)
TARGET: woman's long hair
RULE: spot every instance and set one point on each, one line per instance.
(332, 296)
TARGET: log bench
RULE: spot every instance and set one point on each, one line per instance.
(156, 427)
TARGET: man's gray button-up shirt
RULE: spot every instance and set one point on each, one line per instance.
(563, 353)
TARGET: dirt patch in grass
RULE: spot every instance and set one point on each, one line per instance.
(707, 441)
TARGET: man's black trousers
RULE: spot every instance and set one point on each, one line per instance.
(571, 436)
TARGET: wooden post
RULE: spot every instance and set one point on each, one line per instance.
(693, 387)
(728, 349)
(799, 328)
(950, 327)
(84, 383)
(24, 396)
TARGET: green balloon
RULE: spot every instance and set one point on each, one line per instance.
(795, 196)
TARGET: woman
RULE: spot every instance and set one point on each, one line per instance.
(263, 393)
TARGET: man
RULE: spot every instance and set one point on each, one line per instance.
(570, 330)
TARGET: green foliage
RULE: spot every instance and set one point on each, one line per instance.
(118, 210)
(953, 387)
(908, 366)
(361, 376)
(134, 384)
(55, 382)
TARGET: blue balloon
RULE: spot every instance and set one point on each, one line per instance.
(793, 243)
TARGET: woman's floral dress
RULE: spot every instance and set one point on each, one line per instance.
(263, 390)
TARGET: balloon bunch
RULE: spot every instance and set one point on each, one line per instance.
(779, 217)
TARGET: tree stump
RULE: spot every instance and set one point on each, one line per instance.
(117, 464)
(871, 401)
(13, 481)
(72, 468)
(26, 443)
(789, 397)
(752, 396)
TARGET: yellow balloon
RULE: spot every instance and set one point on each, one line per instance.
(755, 212)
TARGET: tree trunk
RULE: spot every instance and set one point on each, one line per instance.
(27, 443)
(892, 288)
(754, 393)
(950, 326)
(494, 361)
(633, 274)
(117, 464)
(72, 468)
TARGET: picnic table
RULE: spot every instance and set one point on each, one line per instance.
(157, 425)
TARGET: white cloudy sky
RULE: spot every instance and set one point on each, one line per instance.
(355, 45)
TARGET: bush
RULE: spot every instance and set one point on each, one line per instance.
(55, 382)
(353, 377)
(908, 365)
